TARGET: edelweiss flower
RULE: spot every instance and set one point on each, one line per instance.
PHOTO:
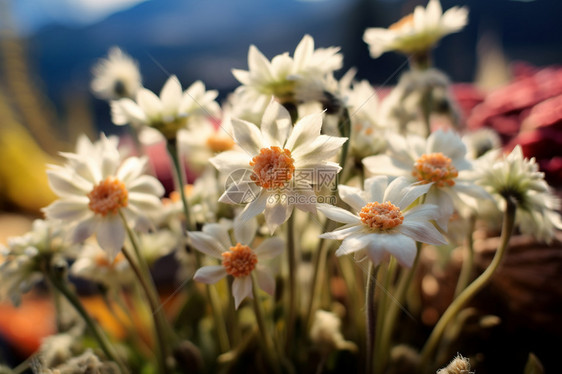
(381, 222)
(276, 167)
(283, 75)
(25, 257)
(238, 260)
(416, 32)
(94, 264)
(116, 77)
(168, 113)
(519, 178)
(440, 161)
(200, 143)
(94, 190)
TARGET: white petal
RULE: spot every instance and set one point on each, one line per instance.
(276, 213)
(64, 183)
(276, 124)
(210, 274)
(171, 95)
(230, 161)
(445, 203)
(265, 280)
(303, 53)
(375, 188)
(126, 111)
(270, 248)
(241, 289)
(207, 244)
(352, 197)
(322, 148)
(72, 210)
(219, 232)
(386, 165)
(254, 208)
(131, 169)
(242, 192)
(111, 235)
(305, 131)
(338, 214)
(355, 243)
(398, 245)
(146, 184)
(149, 103)
(244, 232)
(247, 136)
(447, 142)
(402, 192)
(341, 233)
(84, 229)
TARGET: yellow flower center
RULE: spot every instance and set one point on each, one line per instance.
(273, 167)
(101, 260)
(239, 261)
(108, 196)
(403, 23)
(436, 168)
(381, 216)
(219, 143)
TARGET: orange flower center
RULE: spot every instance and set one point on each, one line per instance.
(403, 23)
(381, 216)
(101, 260)
(436, 168)
(219, 143)
(239, 261)
(108, 196)
(273, 167)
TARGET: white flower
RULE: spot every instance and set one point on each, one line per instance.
(25, 257)
(440, 161)
(381, 223)
(238, 260)
(94, 264)
(516, 177)
(168, 113)
(276, 166)
(95, 190)
(116, 77)
(416, 32)
(326, 335)
(283, 75)
(199, 143)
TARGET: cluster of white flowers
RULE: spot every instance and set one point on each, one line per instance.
(269, 148)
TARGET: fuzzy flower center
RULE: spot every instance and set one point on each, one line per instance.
(403, 23)
(273, 167)
(436, 168)
(381, 216)
(239, 261)
(102, 261)
(108, 196)
(219, 143)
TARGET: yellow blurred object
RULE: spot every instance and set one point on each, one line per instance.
(23, 179)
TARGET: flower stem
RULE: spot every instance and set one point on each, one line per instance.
(265, 337)
(370, 316)
(477, 285)
(142, 272)
(102, 340)
(392, 312)
(292, 261)
(468, 262)
(180, 180)
(382, 309)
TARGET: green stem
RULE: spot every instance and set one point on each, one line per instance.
(180, 181)
(265, 337)
(142, 272)
(387, 276)
(292, 262)
(212, 295)
(468, 262)
(99, 336)
(319, 263)
(392, 313)
(370, 316)
(477, 285)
